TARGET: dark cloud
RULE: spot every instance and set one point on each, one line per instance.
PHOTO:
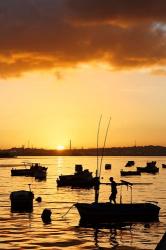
(46, 34)
(118, 11)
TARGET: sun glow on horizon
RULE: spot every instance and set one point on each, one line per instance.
(60, 147)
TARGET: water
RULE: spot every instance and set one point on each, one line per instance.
(27, 231)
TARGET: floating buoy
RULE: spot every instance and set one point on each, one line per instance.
(39, 199)
(46, 215)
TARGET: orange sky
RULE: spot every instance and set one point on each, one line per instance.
(64, 63)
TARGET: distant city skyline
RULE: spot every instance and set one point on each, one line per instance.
(64, 63)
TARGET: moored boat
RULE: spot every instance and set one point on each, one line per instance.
(150, 168)
(106, 212)
(163, 165)
(80, 179)
(126, 212)
(35, 170)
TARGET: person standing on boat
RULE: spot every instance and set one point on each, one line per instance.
(113, 190)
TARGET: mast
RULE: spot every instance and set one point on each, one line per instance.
(98, 171)
(104, 145)
(96, 186)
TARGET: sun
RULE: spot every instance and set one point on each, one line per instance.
(60, 147)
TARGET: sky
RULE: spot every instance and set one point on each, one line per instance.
(64, 63)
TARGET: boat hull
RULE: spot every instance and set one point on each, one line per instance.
(129, 173)
(75, 182)
(107, 212)
(148, 170)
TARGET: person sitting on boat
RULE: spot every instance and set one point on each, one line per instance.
(113, 190)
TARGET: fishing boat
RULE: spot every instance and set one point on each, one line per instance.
(106, 212)
(35, 170)
(130, 164)
(21, 201)
(80, 179)
(130, 173)
(150, 168)
(126, 212)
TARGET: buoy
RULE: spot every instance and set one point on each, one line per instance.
(39, 199)
(46, 215)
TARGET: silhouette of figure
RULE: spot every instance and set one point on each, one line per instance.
(113, 190)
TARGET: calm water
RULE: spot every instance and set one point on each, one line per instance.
(27, 231)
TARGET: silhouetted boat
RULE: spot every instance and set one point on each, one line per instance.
(22, 201)
(129, 173)
(107, 166)
(130, 164)
(35, 170)
(163, 165)
(99, 212)
(80, 179)
(107, 212)
(150, 168)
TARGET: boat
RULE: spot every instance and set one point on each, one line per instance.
(150, 168)
(21, 201)
(130, 164)
(107, 212)
(80, 179)
(107, 166)
(35, 170)
(163, 165)
(129, 173)
(94, 213)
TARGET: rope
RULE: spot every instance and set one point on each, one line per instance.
(67, 211)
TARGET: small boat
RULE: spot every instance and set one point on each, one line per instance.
(92, 213)
(107, 166)
(150, 168)
(163, 165)
(80, 179)
(22, 201)
(35, 170)
(130, 164)
(106, 212)
(129, 173)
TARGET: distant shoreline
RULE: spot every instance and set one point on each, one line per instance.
(114, 151)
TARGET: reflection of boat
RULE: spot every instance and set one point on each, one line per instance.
(81, 178)
(150, 168)
(107, 166)
(129, 173)
(21, 201)
(35, 170)
(130, 164)
(108, 212)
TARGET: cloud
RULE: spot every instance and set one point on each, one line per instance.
(118, 11)
(42, 35)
